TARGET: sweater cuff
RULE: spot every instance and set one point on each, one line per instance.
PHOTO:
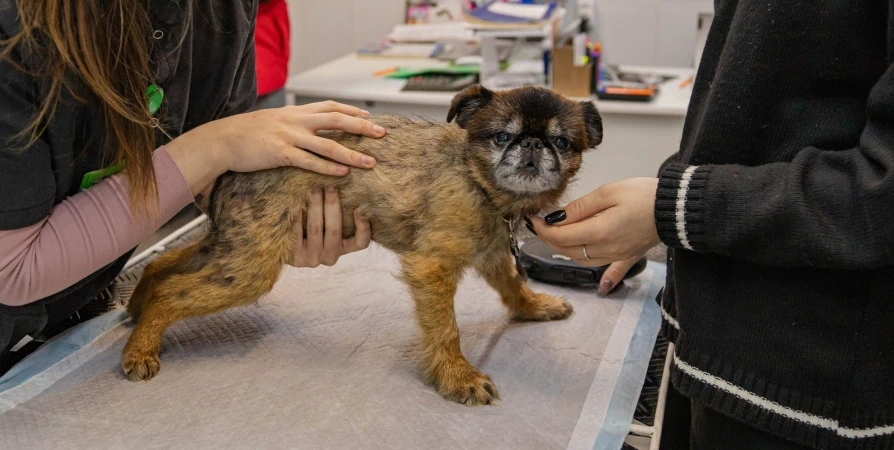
(680, 206)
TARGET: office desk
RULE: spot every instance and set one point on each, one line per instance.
(638, 136)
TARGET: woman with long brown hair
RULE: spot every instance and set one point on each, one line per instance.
(114, 116)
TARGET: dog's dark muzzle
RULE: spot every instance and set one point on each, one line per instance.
(531, 154)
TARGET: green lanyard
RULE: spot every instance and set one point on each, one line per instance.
(154, 97)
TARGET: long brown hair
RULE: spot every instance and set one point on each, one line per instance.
(98, 51)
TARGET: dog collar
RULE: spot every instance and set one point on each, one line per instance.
(514, 249)
(513, 237)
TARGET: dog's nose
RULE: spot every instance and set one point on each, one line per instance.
(532, 143)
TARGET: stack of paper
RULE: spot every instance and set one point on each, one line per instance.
(501, 14)
(433, 32)
(402, 50)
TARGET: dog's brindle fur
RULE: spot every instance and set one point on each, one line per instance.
(433, 199)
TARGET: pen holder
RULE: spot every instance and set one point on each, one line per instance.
(568, 79)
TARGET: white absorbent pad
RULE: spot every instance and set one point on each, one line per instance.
(330, 359)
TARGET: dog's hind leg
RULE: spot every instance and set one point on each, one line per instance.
(242, 264)
(214, 288)
(178, 261)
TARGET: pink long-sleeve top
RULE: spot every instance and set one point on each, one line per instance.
(84, 233)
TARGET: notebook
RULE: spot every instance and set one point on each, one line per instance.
(512, 12)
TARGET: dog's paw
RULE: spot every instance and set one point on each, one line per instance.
(544, 307)
(468, 386)
(140, 367)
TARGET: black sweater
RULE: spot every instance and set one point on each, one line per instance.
(779, 215)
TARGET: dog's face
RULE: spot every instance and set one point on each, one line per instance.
(529, 140)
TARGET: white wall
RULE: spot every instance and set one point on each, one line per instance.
(649, 32)
(642, 32)
(323, 30)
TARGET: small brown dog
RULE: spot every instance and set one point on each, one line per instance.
(440, 197)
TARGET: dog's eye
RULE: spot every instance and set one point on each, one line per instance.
(561, 143)
(502, 138)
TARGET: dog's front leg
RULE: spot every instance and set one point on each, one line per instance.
(524, 304)
(433, 281)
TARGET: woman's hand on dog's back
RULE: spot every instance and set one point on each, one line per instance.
(271, 138)
(286, 136)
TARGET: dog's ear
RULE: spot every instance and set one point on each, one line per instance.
(593, 122)
(467, 102)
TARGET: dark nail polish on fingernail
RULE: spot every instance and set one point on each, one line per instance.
(555, 217)
(605, 287)
(530, 227)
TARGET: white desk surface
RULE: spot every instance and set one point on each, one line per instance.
(351, 78)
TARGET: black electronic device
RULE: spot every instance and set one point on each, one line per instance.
(543, 264)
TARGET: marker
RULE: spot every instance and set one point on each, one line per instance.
(628, 91)
(384, 72)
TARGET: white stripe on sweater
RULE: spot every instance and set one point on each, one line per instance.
(761, 402)
(669, 319)
(681, 206)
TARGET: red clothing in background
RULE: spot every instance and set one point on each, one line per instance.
(272, 46)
